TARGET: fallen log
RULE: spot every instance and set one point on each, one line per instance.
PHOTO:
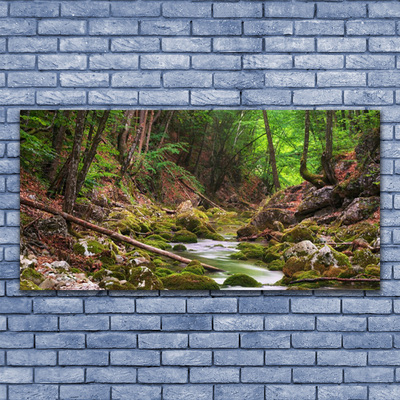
(201, 195)
(110, 233)
(336, 279)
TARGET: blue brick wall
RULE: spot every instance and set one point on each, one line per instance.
(199, 345)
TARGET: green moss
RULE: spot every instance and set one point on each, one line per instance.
(194, 267)
(362, 230)
(156, 237)
(364, 257)
(116, 285)
(306, 275)
(179, 247)
(373, 270)
(298, 234)
(296, 264)
(166, 236)
(189, 281)
(239, 255)
(276, 265)
(247, 231)
(161, 272)
(342, 259)
(159, 263)
(76, 270)
(185, 236)
(242, 280)
(100, 274)
(189, 221)
(160, 244)
(274, 252)
(32, 275)
(79, 249)
(25, 284)
(252, 250)
(144, 279)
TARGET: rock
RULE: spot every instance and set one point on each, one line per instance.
(317, 200)
(296, 264)
(275, 252)
(25, 284)
(184, 207)
(304, 248)
(247, 231)
(365, 257)
(48, 284)
(139, 261)
(242, 280)
(179, 247)
(278, 226)
(326, 258)
(267, 216)
(32, 275)
(143, 278)
(53, 226)
(27, 262)
(184, 236)
(60, 264)
(194, 267)
(298, 234)
(116, 284)
(189, 281)
(359, 209)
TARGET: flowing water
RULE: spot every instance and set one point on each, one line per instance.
(217, 253)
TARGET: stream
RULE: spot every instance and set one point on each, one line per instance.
(217, 253)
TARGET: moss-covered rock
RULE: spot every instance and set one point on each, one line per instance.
(372, 270)
(362, 230)
(276, 265)
(311, 274)
(296, 264)
(365, 257)
(304, 248)
(101, 274)
(32, 275)
(247, 231)
(161, 272)
(25, 284)
(327, 257)
(194, 267)
(179, 247)
(252, 250)
(275, 252)
(185, 236)
(160, 244)
(189, 281)
(242, 280)
(205, 233)
(298, 234)
(143, 278)
(115, 284)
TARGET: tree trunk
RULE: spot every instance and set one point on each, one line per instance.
(92, 152)
(314, 179)
(327, 156)
(70, 218)
(70, 187)
(271, 152)
(123, 135)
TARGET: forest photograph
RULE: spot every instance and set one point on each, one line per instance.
(200, 200)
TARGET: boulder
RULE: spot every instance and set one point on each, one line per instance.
(267, 217)
(143, 278)
(298, 234)
(241, 280)
(304, 248)
(53, 226)
(327, 258)
(189, 281)
(359, 209)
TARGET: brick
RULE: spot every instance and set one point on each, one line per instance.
(319, 61)
(61, 27)
(136, 392)
(135, 44)
(187, 323)
(366, 28)
(216, 27)
(57, 306)
(9, 201)
(98, 392)
(289, 323)
(288, 44)
(83, 79)
(288, 10)
(238, 10)
(111, 340)
(60, 375)
(181, 9)
(317, 27)
(214, 375)
(135, 322)
(13, 151)
(186, 357)
(232, 392)
(321, 340)
(100, 306)
(346, 392)
(158, 98)
(387, 323)
(194, 45)
(17, 61)
(345, 10)
(367, 306)
(31, 357)
(92, 9)
(270, 27)
(16, 340)
(87, 45)
(61, 61)
(18, 306)
(164, 61)
(16, 375)
(32, 391)
(384, 10)
(368, 97)
(138, 9)
(290, 357)
(32, 45)
(342, 358)
(216, 62)
(342, 78)
(215, 97)
(3, 9)
(370, 61)
(165, 28)
(37, 9)
(384, 357)
(83, 357)
(187, 79)
(290, 392)
(387, 44)
(110, 96)
(163, 340)
(32, 323)
(19, 26)
(65, 97)
(12, 181)
(179, 392)
(275, 97)
(110, 375)
(32, 79)
(241, 323)
(341, 45)
(263, 374)
(369, 375)
(135, 357)
(237, 45)
(382, 79)
(214, 340)
(264, 305)
(162, 375)
(113, 61)
(212, 305)
(289, 79)
(265, 340)
(239, 80)
(84, 322)
(3, 319)
(238, 357)
(317, 96)
(314, 375)
(341, 323)
(113, 26)
(367, 341)
(326, 306)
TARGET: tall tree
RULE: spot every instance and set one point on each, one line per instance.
(271, 152)
(327, 155)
